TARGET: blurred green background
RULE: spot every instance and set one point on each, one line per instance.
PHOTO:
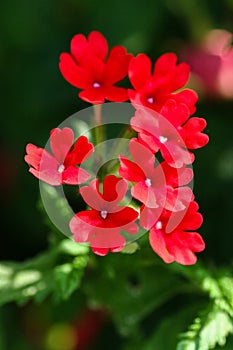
(35, 98)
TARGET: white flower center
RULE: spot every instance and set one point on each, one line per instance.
(148, 182)
(163, 139)
(96, 85)
(103, 214)
(61, 168)
(158, 225)
(150, 100)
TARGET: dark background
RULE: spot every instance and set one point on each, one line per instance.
(35, 98)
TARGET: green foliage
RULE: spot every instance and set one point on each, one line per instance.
(124, 285)
(215, 323)
(171, 324)
(209, 329)
(44, 274)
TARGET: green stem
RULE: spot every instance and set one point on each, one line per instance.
(118, 148)
(97, 114)
(99, 136)
(99, 129)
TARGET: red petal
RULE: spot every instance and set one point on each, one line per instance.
(135, 98)
(92, 95)
(188, 97)
(139, 70)
(192, 219)
(74, 176)
(145, 194)
(177, 177)
(158, 244)
(176, 113)
(165, 63)
(182, 246)
(178, 199)
(86, 51)
(90, 218)
(116, 66)
(80, 228)
(142, 156)
(179, 76)
(44, 163)
(146, 122)
(121, 219)
(187, 219)
(116, 94)
(82, 151)
(149, 216)
(179, 244)
(49, 176)
(170, 76)
(131, 228)
(73, 73)
(149, 141)
(176, 156)
(98, 44)
(107, 240)
(117, 220)
(78, 47)
(34, 155)
(61, 141)
(100, 251)
(130, 171)
(114, 189)
(92, 197)
(95, 69)
(191, 133)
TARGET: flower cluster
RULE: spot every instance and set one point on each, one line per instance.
(212, 64)
(165, 128)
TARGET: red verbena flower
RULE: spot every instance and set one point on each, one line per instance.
(181, 243)
(212, 62)
(170, 131)
(61, 167)
(153, 90)
(88, 67)
(155, 186)
(102, 224)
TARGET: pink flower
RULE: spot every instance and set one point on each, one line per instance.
(102, 224)
(181, 243)
(212, 62)
(89, 68)
(170, 131)
(153, 90)
(61, 167)
(155, 186)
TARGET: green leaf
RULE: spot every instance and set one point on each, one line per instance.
(131, 248)
(171, 324)
(68, 277)
(208, 330)
(226, 286)
(44, 274)
(69, 247)
(124, 284)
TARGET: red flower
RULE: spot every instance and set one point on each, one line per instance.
(102, 224)
(212, 62)
(181, 243)
(153, 90)
(60, 168)
(88, 68)
(171, 132)
(155, 187)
